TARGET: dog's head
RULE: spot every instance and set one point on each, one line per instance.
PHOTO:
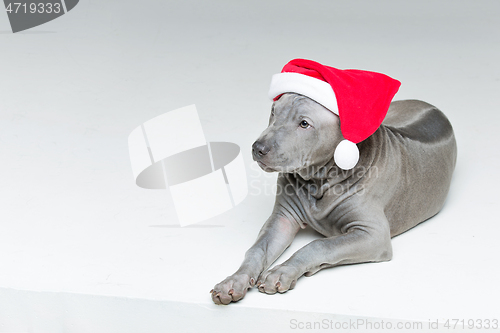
(301, 134)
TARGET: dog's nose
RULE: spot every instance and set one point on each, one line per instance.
(260, 148)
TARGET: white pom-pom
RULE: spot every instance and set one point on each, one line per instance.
(346, 155)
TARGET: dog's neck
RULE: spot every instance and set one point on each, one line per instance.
(318, 179)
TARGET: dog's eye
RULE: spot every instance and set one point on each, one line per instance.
(304, 124)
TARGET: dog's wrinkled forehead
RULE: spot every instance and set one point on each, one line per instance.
(294, 103)
(294, 106)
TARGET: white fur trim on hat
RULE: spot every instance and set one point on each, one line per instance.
(346, 155)
(316, 89)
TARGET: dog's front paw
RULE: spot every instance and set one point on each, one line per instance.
(279, 279)
(232, 289)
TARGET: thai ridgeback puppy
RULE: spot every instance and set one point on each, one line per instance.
(402, 178)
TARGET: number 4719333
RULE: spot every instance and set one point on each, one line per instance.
(471, 324)
(32, 8)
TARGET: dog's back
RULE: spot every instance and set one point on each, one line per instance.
(429, 152)
(418, 121)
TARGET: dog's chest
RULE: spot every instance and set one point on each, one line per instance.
(325, 210)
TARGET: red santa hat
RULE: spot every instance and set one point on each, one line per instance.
(360, 98)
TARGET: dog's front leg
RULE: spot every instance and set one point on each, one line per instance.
(363, 242)
(274, 237)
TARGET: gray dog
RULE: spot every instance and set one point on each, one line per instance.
(402, 178)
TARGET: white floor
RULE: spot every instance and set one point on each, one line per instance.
(82, 248)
